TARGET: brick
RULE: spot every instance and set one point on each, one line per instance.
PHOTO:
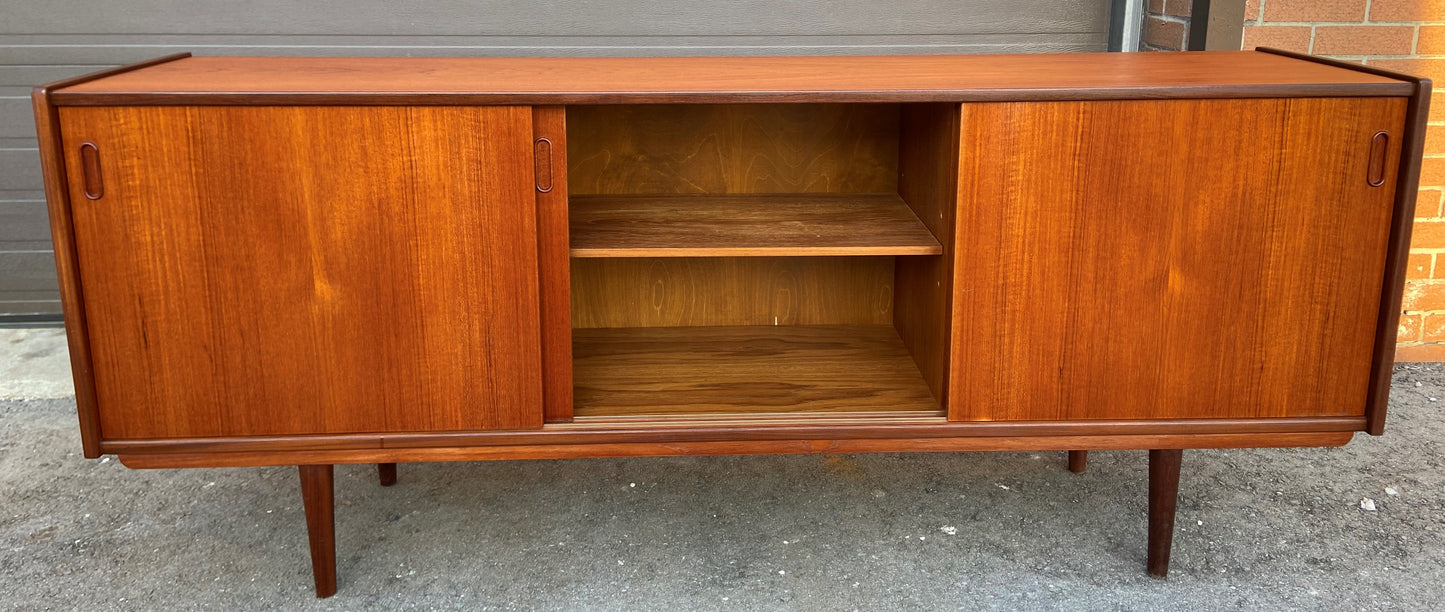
(1434, 139)
(1406, 10)
(1420, 353)
(1314, 10)
(1156, 7)
(1424, 296)
(1409, 328)
(1432, 172)
(1178, 8)
(1165, 34)
(1289, 38)
(1431, 40)
(1427, 203)
(1419, 266)
(1433, 69)
(1364, 40)
(1432, 329)
(1428, 235)
(1251, 10)
(1437, 104)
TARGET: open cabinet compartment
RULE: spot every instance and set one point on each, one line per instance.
(760, 259)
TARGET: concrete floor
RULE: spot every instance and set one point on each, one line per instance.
(1257, 528)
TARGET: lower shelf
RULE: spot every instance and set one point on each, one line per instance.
(745, 370)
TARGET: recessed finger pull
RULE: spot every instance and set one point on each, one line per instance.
(1379, 150)
(90, 170)
(542, 157)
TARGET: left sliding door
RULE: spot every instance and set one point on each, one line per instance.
(256, 271)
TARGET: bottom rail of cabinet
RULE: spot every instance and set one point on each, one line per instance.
(749, 447)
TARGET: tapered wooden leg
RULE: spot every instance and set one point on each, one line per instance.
(1163, 499)
(1077, 460)
(317, 497)
(387, 472)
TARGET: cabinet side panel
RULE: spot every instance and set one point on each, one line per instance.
(1169, 259)
(62, 234)
(1412, 147)
(928, 182)
(549, 125)
(273, 270)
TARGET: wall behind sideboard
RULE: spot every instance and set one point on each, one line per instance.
(46, 41)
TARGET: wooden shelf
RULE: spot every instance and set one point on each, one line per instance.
(745, 370)
(747, 225)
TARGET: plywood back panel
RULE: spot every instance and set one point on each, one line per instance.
(712, 291)
(732, 149)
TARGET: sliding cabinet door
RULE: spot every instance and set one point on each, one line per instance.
(1170, 259)
(305, 270)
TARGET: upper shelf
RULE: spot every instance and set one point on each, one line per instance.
(604, 80)
(746, 225)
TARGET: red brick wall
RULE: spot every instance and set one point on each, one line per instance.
(1166, 25)
(1404, 35)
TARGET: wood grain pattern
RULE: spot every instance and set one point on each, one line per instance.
(1225, 280)
(777, 225)
(732, 149)
(576, 80)
(704, 291)
(731, 370)
(928, 182)
(554, 268)
(769, 447)
(256, 271)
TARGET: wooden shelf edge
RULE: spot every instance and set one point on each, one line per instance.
(762, 419)
(747, 225)
(745, 370)
(584, 253)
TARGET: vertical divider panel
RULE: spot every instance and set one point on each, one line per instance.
(549, 126)
(928, 182)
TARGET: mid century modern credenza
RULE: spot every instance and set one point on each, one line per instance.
(313, 261)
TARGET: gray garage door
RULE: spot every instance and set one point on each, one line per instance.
(54, 39)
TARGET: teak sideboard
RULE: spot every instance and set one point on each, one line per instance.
(313, 261)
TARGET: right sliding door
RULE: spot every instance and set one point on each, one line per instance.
(1170, 258)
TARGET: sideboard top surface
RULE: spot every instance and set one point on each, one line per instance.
(574, 80)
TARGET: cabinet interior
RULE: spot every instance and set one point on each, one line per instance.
(760, 258)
